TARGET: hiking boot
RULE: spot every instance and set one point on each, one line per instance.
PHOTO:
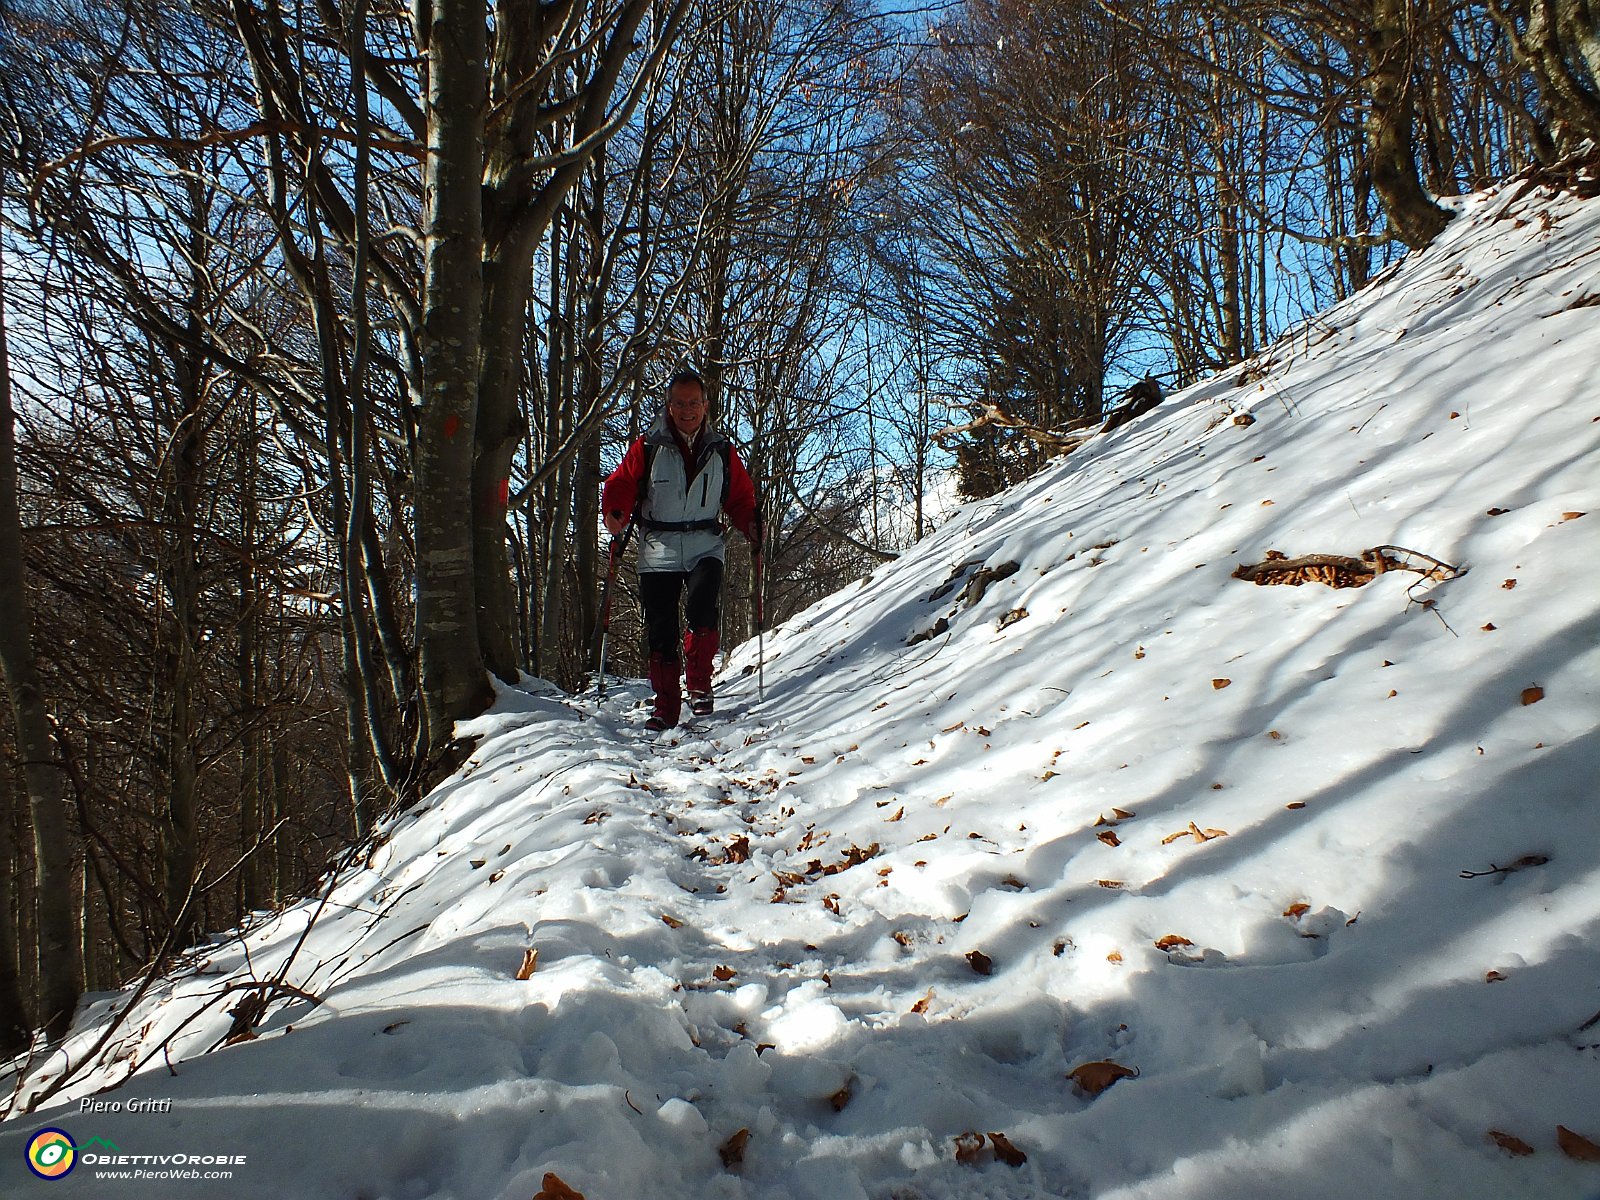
(665, 680)
(699, 653)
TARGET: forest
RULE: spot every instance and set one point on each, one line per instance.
(321, 322)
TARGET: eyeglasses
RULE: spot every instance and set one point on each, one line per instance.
(683, 402)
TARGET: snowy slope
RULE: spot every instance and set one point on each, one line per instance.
(875, 910)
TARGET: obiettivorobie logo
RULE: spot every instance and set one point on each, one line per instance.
(52, 1154)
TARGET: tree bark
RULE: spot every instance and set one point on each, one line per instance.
(450, 661)
(59, 957)
(14, 1033)
(1417, 219)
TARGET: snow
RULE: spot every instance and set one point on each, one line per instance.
(764, 922)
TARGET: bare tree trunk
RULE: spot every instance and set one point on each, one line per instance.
(1415, 216)
(59, 957)
(452, 680)
(252, 751)
(14, 1033)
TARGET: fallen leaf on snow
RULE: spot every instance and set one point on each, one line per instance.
(554, 1188)
(1122, 814)
(1571, 516)
(530, 964)
(1510, 1143)
(1532, 695)
(1575, 1145)
(1495, 977)
(732, 1150)
(1172, 941)
(842, 1097)
(981, 962)
(1194, 831)
(1219, 684)
(671, 922)
(1296, 910)
(1092, 1078)
(921, 1006)
(969, 1148)
(1109, 838)
(723, 974)
(1005, 1151)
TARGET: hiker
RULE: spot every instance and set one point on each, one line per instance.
(674, 481)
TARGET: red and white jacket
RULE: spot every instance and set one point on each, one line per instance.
(689, 486)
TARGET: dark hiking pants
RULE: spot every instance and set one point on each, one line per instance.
(659, 592)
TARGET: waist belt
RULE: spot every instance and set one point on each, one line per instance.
(709, 526)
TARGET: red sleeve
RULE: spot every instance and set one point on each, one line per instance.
(741, 504)
(621, 490)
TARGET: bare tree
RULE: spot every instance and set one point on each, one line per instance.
(60, 972)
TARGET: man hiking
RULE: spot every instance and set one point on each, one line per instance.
(674, 481)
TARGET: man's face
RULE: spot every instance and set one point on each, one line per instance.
(686, 404)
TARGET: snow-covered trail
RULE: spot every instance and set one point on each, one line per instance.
(1318, 868)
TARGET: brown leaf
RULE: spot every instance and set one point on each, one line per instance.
(1092, 1078)
(1297, 910)
(1194, 831)
(1571, 516)
(1509, 584)
(732, 1150)
(723, 974)
(1495, 977)
(1109, 883)
(980, 962)
(1575, 1145)
(1219, 684)
(671, 921)
(1109, 838)
(921, 1006)
(738, 850)
(1005, 1151)
(1296, 804)
(899, 812)
(1122, 814)
(1510, 1144)
(555, 1189)
(1532, 695)
(1114, 957)
(842, 1097)
(969, 1149)
(530, 964)
(1172, 941)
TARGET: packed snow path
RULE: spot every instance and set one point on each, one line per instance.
(1316, 869)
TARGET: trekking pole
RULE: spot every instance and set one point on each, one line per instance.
(761, 621)
(619, 547)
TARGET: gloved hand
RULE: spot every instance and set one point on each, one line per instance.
(615, 523)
